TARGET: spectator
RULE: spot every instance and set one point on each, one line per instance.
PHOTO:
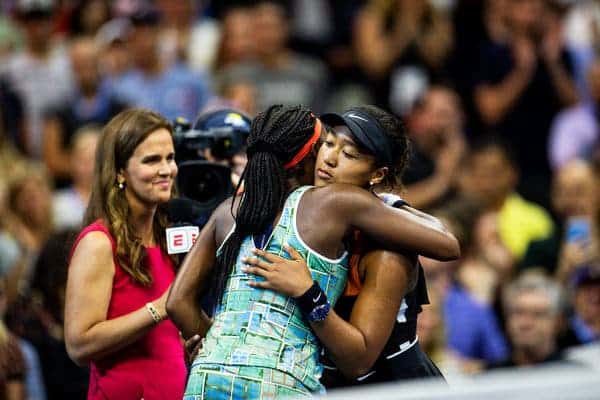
(239, 93)
(400, 45)
(20, 373)
(533, 305)
(9, 155)
(34, 382)
(185, 39)
(490, 177)
(435, 127)
(472, 331)
(574, 132)
(10, 254)
(236, 44)
(62, 378)
(488, 263)
(70, 203)
(431, 331)
(88, 16)
(114, 59)
(585, 321)
(432, 338)
(581, 242)
(348, 80)
(27, 223)
(574, 195)
(279, 75)
(12, 120)
(93, 103)
(9, 247)
(173, 91)
(39, 73)
(522, 83)
(475, 22)
(12, 363)
(11, 261)
(30, 210)
(582, 38)
(10, 37)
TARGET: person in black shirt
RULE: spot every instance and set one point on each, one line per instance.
(521, 83)
(11, 115)
(436, 129)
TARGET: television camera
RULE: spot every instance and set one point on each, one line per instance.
(203, 152)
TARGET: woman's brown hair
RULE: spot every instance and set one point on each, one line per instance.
(120, 137)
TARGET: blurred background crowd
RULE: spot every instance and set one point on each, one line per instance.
(501, 99)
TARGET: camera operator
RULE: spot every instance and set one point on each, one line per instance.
(211, 157)
(236, 162)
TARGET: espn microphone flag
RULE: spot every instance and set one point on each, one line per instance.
(180, 239)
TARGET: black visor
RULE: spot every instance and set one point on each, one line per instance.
(366, 131)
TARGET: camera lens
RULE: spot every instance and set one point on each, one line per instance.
(207, 183)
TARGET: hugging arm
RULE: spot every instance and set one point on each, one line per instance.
(435, 222)
(353, 345)
(356, 344)
(182, 304)
(399, 230)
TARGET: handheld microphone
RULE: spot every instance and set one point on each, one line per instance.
(183, 210)
(186, 217)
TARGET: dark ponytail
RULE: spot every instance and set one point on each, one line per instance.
(276, 135)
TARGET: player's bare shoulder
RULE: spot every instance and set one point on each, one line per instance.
(340, 197)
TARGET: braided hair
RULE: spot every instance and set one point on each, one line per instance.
(276, 135)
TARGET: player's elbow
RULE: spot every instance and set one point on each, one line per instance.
(172, 306)
(358, 371)
(176, 308)
(452, 249)
(359, 366)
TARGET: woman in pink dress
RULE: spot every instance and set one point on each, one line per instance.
(120, 273)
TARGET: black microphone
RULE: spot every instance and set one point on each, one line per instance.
(187, 217)
(185, 211)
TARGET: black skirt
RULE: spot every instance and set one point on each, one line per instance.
(408, 365)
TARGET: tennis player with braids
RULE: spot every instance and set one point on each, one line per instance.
(371, 336)
(260, 344)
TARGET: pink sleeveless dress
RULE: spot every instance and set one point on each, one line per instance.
(153, 367)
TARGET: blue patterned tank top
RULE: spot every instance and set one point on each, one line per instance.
(262, 328)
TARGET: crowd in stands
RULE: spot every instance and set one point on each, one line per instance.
(501, 99)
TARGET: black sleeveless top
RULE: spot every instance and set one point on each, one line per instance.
(402, 338)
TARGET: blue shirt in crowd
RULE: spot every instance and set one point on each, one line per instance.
(472, 328)
(583, 332)
(176, 92)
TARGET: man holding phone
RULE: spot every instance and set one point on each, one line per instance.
(580, 238)
(575, 203)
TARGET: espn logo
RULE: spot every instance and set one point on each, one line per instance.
(181, 239)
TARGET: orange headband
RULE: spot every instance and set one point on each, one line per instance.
(306, 148)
